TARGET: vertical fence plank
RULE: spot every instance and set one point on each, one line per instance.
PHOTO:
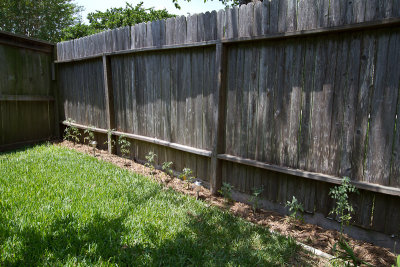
(109, 99)
(350, 104)
(383, 110)
(340, 103)
(218, 108)
(232, 23)
(295, 65)
(221, 24)
(201, 27)
(366, 83)
(283, 15)
(191, 29)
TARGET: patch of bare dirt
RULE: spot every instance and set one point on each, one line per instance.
(312, 235)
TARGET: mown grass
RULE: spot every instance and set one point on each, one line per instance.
(60, 207)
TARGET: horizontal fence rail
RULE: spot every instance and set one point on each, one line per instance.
(156, 141)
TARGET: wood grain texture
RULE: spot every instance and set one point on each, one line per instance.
(366, 82)
(27, 109)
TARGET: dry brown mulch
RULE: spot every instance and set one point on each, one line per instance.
(312, 235)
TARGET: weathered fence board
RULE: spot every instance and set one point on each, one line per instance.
(26, 91)
(82, 93)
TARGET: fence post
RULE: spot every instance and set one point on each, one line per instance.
(109, 98)
(218, 133)
(56, 87)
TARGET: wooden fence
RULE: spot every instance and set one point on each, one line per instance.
(26, 91)
(289, 95)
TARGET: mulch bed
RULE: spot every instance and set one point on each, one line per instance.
(312, 235)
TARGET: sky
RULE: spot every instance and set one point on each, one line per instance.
(193, 7)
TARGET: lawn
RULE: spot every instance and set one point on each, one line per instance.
(60, 207)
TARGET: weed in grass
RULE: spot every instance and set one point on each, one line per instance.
(255, 197)
(83, 212)
(167, 167)
(296, 209)
(186, 176)
(226, 192)
(71, 133)
(125, 148)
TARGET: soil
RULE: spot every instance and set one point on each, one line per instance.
(312, 235)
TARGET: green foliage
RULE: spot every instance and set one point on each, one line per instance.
(71, 133)
(109, 139)
(78, 30)
(343, 209)
(90, 135)
(397, 261)
(225, 2)
(167, 167)
(151, 160)
(226, 191)
(186, 176)
(346, 254)
(124, 146)
(86, 212)
(115, 18)
(296, 209)
(255, 197)
(43, 19)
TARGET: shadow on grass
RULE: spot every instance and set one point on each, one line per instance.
(219, 240)
(22, 147)
(205, 241)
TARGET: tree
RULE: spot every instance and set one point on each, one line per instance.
(115, 18)
(225, 2)
(42, 19)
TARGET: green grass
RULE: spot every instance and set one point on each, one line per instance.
(60, 207)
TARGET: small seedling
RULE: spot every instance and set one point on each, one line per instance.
(343, 208)
(90, 135)
(186, 176)
(167, 167)
(255, 197)
(226, 192)
(150, 160)
(125, 146)
(109, 139)
(71, 132)
(296, 209)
